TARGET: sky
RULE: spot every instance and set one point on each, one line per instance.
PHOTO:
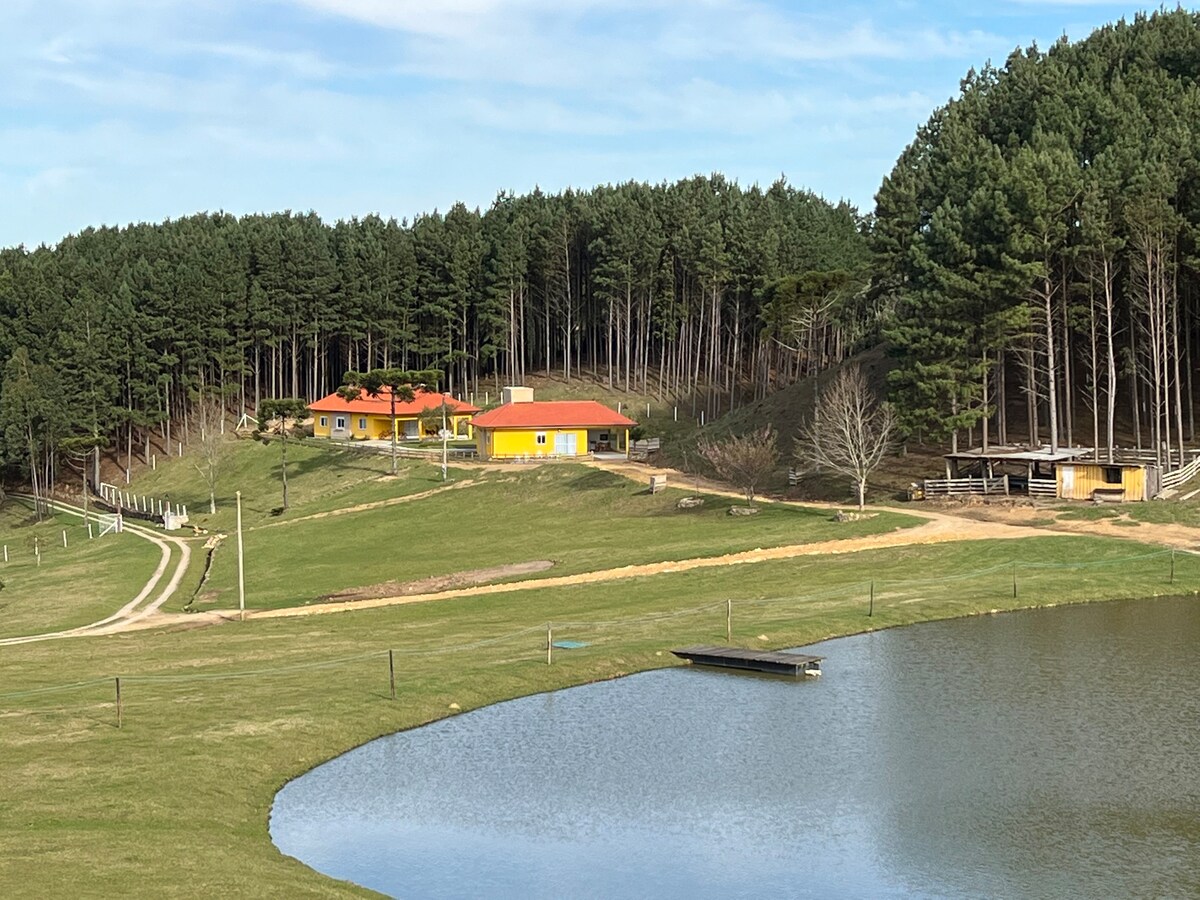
(114, 111)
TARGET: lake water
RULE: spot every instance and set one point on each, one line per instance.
(1051, 753)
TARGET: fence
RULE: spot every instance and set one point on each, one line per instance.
(787, 617)
(139, 505)
(935, 487)
(1179, 476)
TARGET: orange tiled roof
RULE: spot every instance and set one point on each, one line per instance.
(552, 414)
(382, 405)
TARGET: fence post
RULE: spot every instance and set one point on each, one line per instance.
(118, 701)
(65, 546)
(549, 645)
(1014, 581)
(729, 620)
(392, 674)
(1172, 564)
(871, 608)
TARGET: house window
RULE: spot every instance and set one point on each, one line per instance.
(541, 438)
(324, 421)
(1112, 475)
(362, 424)
(339, 422)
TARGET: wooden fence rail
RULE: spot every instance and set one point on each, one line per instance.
(950, 486)
(1179, 476)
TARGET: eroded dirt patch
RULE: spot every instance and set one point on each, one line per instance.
(437, 582)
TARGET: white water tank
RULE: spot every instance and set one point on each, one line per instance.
(516, 395)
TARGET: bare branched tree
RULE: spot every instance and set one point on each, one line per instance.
(743, 460)
(850, 432)
(211, 445)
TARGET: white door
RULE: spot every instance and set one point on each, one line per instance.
(565, 444)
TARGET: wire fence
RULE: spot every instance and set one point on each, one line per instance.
(871, 602)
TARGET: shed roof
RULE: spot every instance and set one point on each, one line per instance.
(552, 414)
(1017, 453)
(381, 405)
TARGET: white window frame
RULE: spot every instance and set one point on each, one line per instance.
(540, 439)
(339, 422)
(362, 423)
(324, 421)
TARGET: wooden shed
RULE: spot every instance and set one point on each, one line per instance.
(1116, 481)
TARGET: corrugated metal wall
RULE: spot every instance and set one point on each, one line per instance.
(1079, 481)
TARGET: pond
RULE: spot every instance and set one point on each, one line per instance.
(1048, 753)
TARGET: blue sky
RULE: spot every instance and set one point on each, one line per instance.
(114, 111)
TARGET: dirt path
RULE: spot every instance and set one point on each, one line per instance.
(942, 529)
(134, 612)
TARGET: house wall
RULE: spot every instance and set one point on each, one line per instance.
(495, 443)
(377, 427)
(1086, 478)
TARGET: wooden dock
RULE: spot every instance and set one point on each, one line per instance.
(770, 661)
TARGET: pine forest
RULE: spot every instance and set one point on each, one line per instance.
(1031, 266)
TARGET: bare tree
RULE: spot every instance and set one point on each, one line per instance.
(743, 460)
(849, 432)
(209, 411)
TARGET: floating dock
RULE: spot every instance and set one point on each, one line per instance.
(770, 661)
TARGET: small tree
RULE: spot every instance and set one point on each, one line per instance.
(850, 432)
(435, 418)
(743, 460)
(287, 412)
(396, 383)
(209, 410)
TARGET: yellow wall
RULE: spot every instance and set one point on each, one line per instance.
(378, 427)
(507, 443)
(1088, 478)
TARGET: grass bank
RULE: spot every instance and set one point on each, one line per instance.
(175, 803)
(70, 586)
(580, 518)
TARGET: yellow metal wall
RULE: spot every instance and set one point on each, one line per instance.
(1089, 477)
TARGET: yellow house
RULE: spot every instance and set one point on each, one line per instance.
(371, 417)
(525, 428)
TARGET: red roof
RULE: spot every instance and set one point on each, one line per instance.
(552, 414)
(382, 404)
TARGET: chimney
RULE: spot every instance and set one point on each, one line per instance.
(516, 395)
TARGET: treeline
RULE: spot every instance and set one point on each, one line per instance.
(664, 289)
(1036, 246)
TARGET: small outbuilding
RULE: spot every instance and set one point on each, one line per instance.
(524, 428)
(1116, 481)
(1066, 473)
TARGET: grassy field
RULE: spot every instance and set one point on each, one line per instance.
(321, 477)
(81, 583)
(175, 803)
(580, 518)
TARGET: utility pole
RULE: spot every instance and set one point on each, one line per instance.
(241, 563)
(445, 438)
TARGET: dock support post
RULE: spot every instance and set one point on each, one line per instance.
(871, 608)
(549, 644)
(392, 674)
(728, 620)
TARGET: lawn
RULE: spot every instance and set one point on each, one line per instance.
(321, 477)
(175, 803)
(76, 585)
(580, 518)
